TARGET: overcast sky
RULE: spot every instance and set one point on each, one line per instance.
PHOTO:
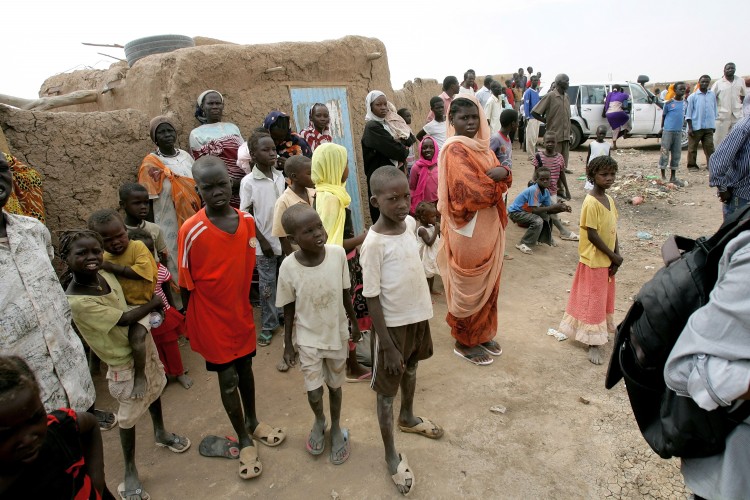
(588, 39)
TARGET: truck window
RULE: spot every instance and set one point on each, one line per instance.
(638, 95)
(573, 94)
(593, 94)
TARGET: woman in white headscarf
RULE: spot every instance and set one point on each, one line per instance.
(217, 138)
(380, 145)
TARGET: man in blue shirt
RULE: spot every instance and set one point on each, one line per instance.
(701, 121)
(729, 168)
(671, 133)
(530, 99)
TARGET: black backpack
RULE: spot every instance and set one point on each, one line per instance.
(671, 424)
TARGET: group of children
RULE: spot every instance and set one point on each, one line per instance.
(313, 280)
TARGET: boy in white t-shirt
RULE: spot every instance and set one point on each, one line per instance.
(436, 127)
(597, 148)
(400, 306)
(313, 289)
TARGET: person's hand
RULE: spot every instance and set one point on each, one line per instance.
(108, 266)
(356, 334)
(280, 162)
(394, 362)
(604, 114)
(437, 228)
(690, 131)
(559, 207)
(617, 260)
(613, 270)
(155, 302)
(498, 174)
(289, 356)
(568, 208)
(661, 131)
(265, 247)
(724, 196)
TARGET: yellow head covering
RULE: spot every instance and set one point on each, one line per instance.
(328, 165)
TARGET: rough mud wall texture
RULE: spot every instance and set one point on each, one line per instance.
(171, 82)
(84, 157)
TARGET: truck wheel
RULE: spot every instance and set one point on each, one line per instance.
(142, 47)
(576, 136)
(684, 137)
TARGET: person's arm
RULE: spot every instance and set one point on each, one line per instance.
(428, 240)
(614, 267)
(352, 315)
(414, 178)
(725, 157)
(286, 246)
(540, 109)
(289, 312)
(588, 156)
(421, 134)
(120, 270)
(185, 295)
(597, 241)
(563, 181)
(352, 243)
(92, 448)
(265, 246)
(378, 138)
(663, 117)
(132, 316)
(550, 209)
(689, 115)
(394, 361)
(167, 289)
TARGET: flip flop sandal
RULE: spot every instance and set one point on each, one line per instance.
(174, 442)
(347, 449)
(264, 339)
(492, 348)
(524, 249)
(250, 465)
(124, 494)
(470, 358)
(215, 446)
(424, 428)
(362, 378)
(404, 472)
(570, 237)
(269, 436)
(309, 445)
(107, 420)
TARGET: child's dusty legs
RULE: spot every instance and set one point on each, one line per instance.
(127, 441)
(406, 416)
(230, 398)
(595, 354)
(247, 393)
(385, 419)
(353, 368)
(137, 340)
(316, 442)
(338, 446)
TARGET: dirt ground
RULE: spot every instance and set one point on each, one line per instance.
(563, 435)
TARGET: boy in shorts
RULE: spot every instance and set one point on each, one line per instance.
(313, 289)
(216, 250)
(400, 307)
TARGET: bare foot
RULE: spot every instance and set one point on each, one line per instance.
(185, 381)
(595, 354)
(139, 387)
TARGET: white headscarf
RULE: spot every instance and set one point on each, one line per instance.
(369, 115)
(204, 94)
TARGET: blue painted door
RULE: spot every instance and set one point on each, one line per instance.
(303, 99)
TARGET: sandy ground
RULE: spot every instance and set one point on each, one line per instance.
(563, 436)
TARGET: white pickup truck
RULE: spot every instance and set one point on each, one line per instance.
(587, 105)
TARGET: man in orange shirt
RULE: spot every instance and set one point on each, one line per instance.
(216, 260)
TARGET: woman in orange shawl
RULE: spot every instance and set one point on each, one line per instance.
(27, 197)
(470, 200)
(167, 174)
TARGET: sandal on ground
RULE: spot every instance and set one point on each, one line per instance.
(470, 358)
(571, 236)
(215, 446)
(403, 473)
(250, 465)
(107, 420)
(125, 494)
(677, 182)
(524, 249)
(269, 436)
(175, 444)
(424, 428)
(492, 347)
(362, 378)
(264, 339)
(347, 449)
(311, 449)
